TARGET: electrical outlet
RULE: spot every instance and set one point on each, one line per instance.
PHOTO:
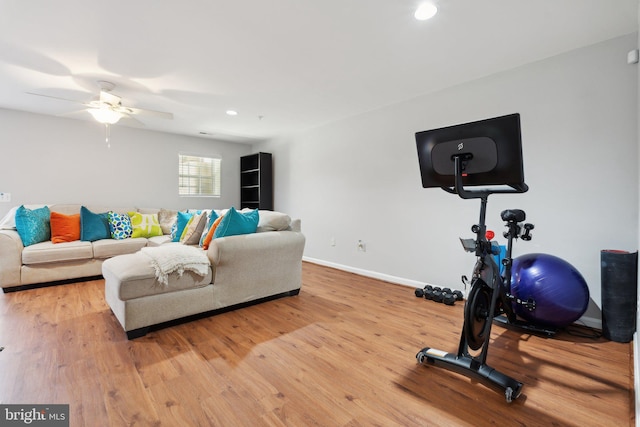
(362, 247)
(5, 197)
(333, 241)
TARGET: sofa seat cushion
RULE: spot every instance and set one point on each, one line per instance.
(135, 277)
(107, 248)
(160, 240)
(45, 252)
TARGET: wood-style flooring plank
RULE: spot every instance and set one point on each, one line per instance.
(341, 353)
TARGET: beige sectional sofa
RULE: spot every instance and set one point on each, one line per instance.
(243, 269)
(47, 262)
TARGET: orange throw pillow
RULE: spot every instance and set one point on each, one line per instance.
(207, 239)
(64, 228)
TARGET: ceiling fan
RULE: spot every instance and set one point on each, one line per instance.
(107, 108)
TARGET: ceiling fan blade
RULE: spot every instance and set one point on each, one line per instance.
(58, 98)
(143, 112)
(130, 120)
(109, 98)
(81, 113)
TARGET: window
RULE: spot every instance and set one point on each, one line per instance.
(198, 176)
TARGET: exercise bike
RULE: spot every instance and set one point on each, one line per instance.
(484, 153)
(489, 296)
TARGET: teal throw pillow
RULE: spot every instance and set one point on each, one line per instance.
(181, 223)
(33, 226)
(120, 225)
(234, 223)
(94, 226)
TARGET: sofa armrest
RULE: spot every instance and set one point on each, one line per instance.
(296, 225)
(10, 258)
(258, 261)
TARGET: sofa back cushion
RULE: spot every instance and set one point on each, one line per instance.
(166, 218)
(273, 221)
(65, 208)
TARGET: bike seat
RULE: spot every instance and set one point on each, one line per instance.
(513, 215)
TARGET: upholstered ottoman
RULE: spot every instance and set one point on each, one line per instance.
(139, 299)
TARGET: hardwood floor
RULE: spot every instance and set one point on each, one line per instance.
(342, 353)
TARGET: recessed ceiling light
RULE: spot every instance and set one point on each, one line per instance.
(425, 11)
(232, 113)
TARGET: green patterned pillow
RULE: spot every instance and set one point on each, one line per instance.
(119, 225)
(145, 225)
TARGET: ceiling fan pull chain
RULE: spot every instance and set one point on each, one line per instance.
(108, 134)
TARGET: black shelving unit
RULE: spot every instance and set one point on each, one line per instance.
(256, 181)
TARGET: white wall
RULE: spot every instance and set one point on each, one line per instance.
(47, 159)
(359, 179)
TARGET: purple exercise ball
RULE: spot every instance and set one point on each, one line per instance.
(560, 292)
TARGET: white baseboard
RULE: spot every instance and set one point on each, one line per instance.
(586, 321)
(590, 322)
(368, 273)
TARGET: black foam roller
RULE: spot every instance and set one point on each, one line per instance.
(619, 281)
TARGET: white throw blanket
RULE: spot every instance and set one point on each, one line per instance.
(167, 259)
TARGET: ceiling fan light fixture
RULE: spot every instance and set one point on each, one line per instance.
(426, 11)
(105, 115)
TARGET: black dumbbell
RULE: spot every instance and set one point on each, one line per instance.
(427, 291)
(446, 295)
(438, 296)
(449, 299)
(420, 291)
(428, 294)
(459, 295)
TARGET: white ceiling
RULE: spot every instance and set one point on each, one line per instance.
(295, 63)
